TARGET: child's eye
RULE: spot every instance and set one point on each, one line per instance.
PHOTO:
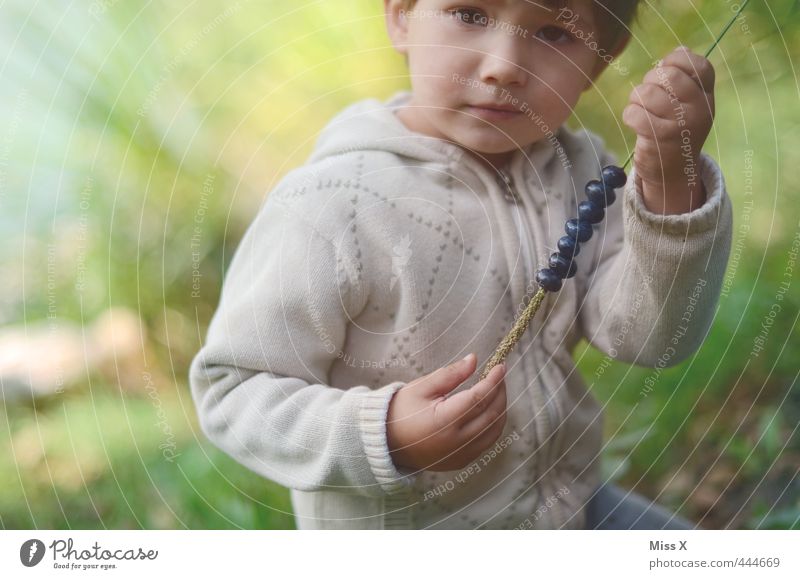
(554, 34)
(469, 16)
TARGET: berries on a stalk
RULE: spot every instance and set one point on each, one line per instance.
(614, 177)
(549, 280)
(591, 212)
(563, 266)
(568, 247)
(579, 230)
(599, 194)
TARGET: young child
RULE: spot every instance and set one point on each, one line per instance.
(409, 240)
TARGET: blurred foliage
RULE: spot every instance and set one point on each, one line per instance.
(139, 139)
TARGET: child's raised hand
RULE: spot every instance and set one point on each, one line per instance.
(427, 431)
(672, 112)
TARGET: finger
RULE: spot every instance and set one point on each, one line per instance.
(488, 436)
(696, 66)
(446, 379)
(498, 397)
(649, 126)
(655, 99)
(494, 412)
(677, 84)
(464, 405)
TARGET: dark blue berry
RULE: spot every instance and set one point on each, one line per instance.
(580, 230)
(563, 266)
(568, 247)
(549, 280)
(614, 177)
(591, 212)
(599, 194)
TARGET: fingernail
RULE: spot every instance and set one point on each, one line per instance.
(467, 357)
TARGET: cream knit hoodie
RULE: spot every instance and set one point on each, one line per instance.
(391, 254)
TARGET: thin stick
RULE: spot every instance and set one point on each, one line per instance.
(511, 339)
(521, 323)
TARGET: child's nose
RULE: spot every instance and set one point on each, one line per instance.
(502, 64)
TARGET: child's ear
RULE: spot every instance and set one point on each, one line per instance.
(602, 63)
(396, 24)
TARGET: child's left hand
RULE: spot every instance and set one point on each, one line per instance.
(672, 112)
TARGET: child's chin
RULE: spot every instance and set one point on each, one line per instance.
(499, 148)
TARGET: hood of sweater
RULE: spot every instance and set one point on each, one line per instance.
(370, 124)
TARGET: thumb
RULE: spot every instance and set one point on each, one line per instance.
(448, 378)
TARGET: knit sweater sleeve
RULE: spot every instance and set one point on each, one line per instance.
(260, 381)
(651, 292)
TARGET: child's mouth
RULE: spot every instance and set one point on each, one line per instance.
(492, 113)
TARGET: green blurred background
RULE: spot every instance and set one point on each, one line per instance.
(138, 139)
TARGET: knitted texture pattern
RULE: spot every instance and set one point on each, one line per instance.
(390, 254)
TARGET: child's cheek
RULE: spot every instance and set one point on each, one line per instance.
(559, 94)
(447, 77)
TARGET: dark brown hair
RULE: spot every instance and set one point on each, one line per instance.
(613, 18)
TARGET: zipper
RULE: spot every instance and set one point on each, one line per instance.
(549, 412)
(512, 196)
(510, 193)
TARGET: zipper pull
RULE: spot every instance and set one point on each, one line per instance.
(510, 194)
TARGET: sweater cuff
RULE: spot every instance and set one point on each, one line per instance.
(701, 219)
(374, 411)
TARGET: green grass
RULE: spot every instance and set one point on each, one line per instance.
(97, 461)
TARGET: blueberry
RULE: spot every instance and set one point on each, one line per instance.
(596, 192)
(563, 266)
(568, 247)
(591, 212)
(579, 230)
(599, 194)
(614, 177)
(548, 280)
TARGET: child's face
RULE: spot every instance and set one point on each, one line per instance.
(489, 52)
